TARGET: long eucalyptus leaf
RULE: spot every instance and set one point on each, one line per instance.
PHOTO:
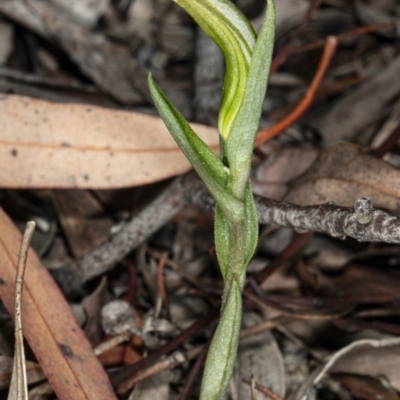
(239, 145)
(235, 36)
(204, 161)
(222, 353)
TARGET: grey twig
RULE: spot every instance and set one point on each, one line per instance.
(362, 223)
(140, 228)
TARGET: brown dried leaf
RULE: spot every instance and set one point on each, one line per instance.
(93, 305)
(45, 144)
(49, 325)
(370, 357)
(342, 174)
(83, 219)
(272, 177)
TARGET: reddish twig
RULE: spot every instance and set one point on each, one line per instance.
(130, 297)
(132, 290)
(351, 34)
(329, 301)
(195, 372)
(170, 362)
(263, 326)
(302, 107)
(281, 57)
(263, 389)
(298, 314)
(122, 374)
(160, 282)
(293, 248)
(355, 325)
(340, 85)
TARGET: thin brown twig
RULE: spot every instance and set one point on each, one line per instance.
(253, 388)
(172, 361)
(282, 55)
(351, 34)
(302, 107)
(161, 282)
(306, 315)
(179, 357)
(263, 326)
(177, 268)
(355, 325)
(312, 301)
(288, 252)
(263, 389)
(20, 384)
(339, 85)
(130, 297)
(194, 372)
(124, 373)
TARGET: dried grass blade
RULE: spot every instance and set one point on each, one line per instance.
(19, 385)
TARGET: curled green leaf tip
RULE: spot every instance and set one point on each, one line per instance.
(232, 32)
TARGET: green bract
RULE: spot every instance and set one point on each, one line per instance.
(248, 60)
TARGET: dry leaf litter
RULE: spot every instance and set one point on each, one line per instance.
(122, 291)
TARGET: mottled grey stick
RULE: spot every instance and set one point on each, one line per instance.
(140, 228)
(362, 223)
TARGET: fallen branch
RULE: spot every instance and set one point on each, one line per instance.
(362, 223)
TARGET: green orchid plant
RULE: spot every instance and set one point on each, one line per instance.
(248, 60)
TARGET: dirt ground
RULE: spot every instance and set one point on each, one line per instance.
(124, 260)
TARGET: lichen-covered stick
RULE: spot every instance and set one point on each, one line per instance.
(363, 222)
